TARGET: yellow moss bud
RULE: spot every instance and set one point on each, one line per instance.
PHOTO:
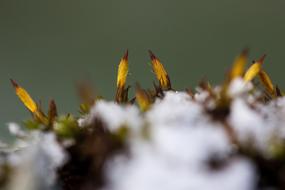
(142, 99)
(29, 103)
(160, 72)
(122, 92)
(254, 69)
(266, 81)
(123, 71)
(25, 97)
(239, 65)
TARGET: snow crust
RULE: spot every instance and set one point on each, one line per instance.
(182, 143)
(35, 164)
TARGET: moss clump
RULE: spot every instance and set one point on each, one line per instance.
(105, 131)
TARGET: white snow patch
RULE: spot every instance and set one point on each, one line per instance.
(239, 87)
(250, 125)
(40, 158)
(16, 130)
(114, 115)
(177, 159)
(182, 141)
(175, 109)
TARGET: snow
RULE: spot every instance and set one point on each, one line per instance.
(201, 95)
(177, 159)
(239, 87)
(176, 109)
(35, 165)
(16, 130)
(114, 115)
(249, 125)
(260, 125)
(182, 142)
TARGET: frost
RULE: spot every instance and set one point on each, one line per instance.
(114, 115)
(274, 117)
(239, 87)
(177, 159)
(152, 174)
(183, 140)
(35, 166)
(16, 130)
(201, 95)
(176, 109)
(249, 125)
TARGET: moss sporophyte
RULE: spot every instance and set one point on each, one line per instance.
(228, 136)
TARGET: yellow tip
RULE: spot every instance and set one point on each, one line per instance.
(254, 69)
(266, 81)
(123, 71)
(25, 97)
(142, 99)
(160, 72)
(239, 65)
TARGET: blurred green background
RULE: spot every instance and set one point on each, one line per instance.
(48, 45)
